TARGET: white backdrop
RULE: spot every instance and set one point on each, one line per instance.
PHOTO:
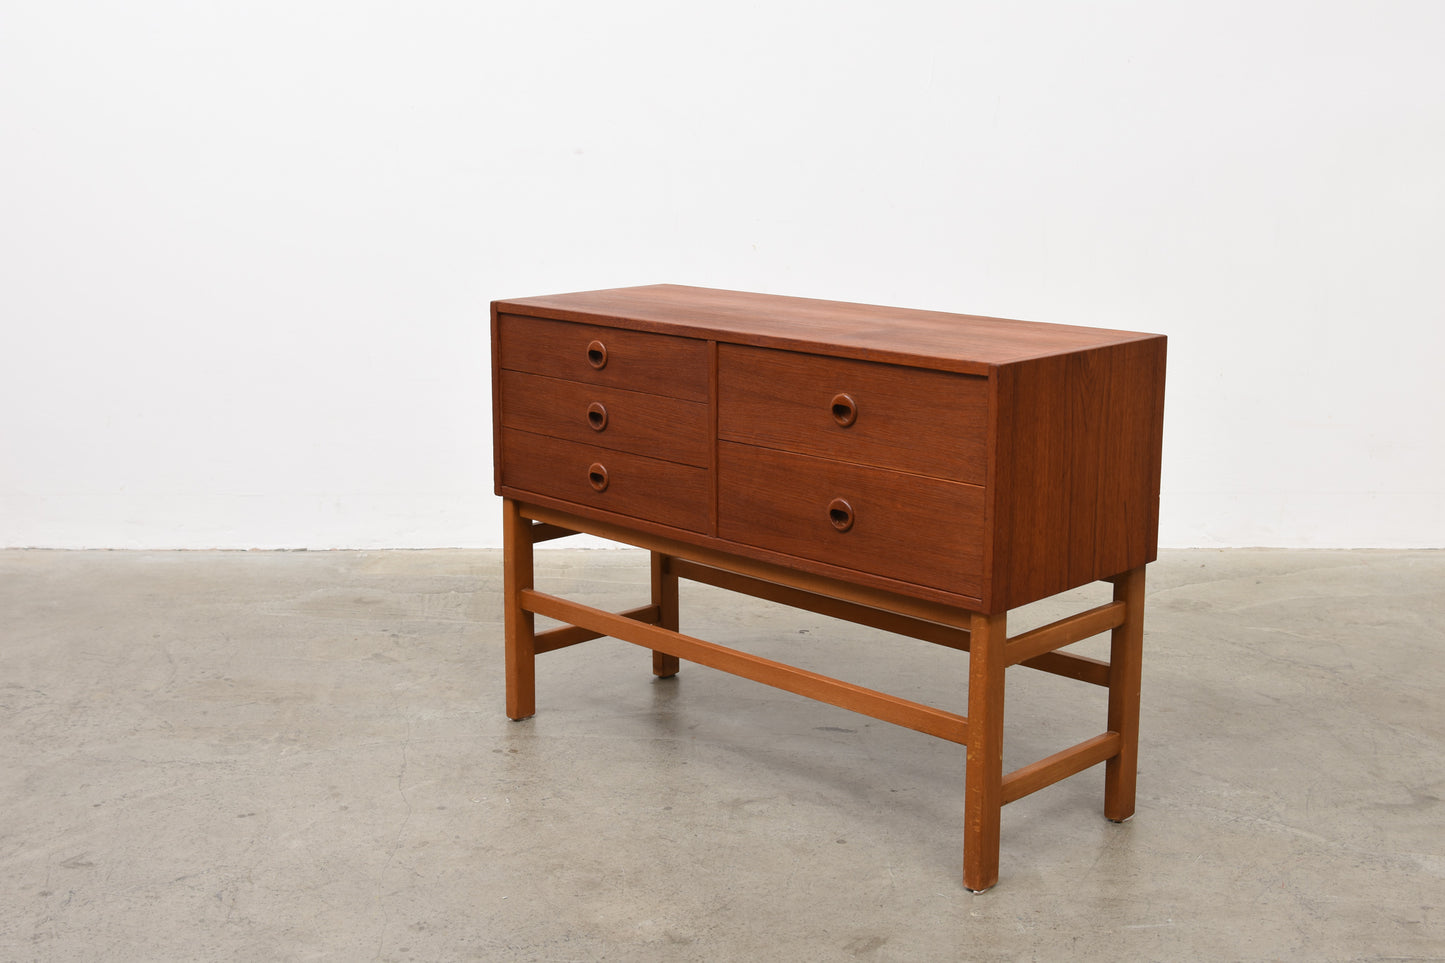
(246, 248)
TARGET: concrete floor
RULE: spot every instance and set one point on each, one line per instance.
(278, 756)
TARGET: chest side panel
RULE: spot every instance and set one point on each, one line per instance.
(1075, 495)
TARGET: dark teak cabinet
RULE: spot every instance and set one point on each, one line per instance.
(918, 471)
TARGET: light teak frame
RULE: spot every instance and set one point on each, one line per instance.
(986, 789)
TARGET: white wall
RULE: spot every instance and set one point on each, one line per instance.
(246, 248)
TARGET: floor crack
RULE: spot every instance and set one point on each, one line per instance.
(395, 842)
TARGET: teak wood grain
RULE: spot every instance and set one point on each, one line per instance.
(1075, 490)
(675, 367)
(915, 471)
(661, 491)
(615, 418)
(858, 412)
(932, 339)
(910, 527)
(1061, 426)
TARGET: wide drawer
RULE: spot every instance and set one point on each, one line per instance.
(909, 419)
(614, 481)
(659, 427)
(655, 363)
(907, 527)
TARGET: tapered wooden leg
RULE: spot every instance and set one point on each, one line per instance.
(520, 624)
(1126, 659)
(983, 789)
(664, 596)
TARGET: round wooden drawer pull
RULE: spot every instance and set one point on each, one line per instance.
(597, 477)
(845, 410)
(597, 416)
(597, 355)
(840, 514)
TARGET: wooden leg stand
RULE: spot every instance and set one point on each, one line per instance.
(664, 596)
(983, 785)
(517, 539)
(1126, 658)
(985, 637)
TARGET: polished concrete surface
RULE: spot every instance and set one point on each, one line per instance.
(291, 756)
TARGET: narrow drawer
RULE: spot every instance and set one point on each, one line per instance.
(908, 527)
(909, 419)
(614, 481)
(655, 363)
(667, 428)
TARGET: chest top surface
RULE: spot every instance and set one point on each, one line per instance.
(954, 342)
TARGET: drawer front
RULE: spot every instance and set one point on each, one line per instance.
(915, 529)
(909, 419)
(667, 428)
(655, 363)
(614, 481)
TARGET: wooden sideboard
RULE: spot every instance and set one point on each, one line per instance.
(916, 471)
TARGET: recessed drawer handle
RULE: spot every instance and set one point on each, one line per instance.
(840, 514)
(597, 477)
(845, 410)
(597, 416)
(597, 355)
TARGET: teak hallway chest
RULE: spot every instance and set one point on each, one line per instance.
(915, 471)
